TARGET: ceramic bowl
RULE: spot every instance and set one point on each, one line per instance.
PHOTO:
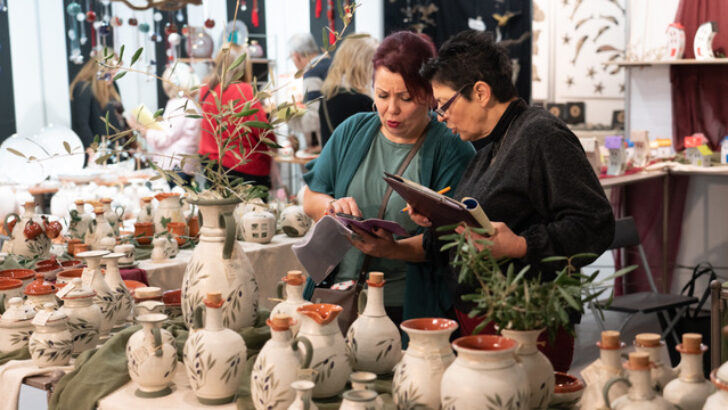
(25, 275)
(68, 275)
(567, 390)
(49, 271)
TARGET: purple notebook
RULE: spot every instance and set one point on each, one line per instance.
(369, 224)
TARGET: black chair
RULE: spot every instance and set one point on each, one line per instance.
(669, 308)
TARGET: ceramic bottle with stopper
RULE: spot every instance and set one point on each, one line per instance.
(719, 378)
(598, 373)
(690, 390)
(293, 284)
(651, 344)
(641, 394)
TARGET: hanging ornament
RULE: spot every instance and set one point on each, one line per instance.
(209, 23)
(117, 22)
(91, 19)
(144, 28)
(332, 22)
(3, 7)
(81, 18)
(157, 21)
(254, 16)
(318, 8)
(90, 16)
(97, 28)
(104, 29)
(243, 5)
(132, 21)
(170, 28)
(174, 40)
(155, 37)
(179, 16)
(73, 9)
(185, 30)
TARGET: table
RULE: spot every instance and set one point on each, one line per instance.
(270, 263)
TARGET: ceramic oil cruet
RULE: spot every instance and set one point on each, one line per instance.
(719, 377)
(15, 325)
(169, 210)
(152, 357)
(93, 278)
(114, 216)
(331, 361)
(51, 343)
(80, 220)
(418, 375)
(40, 292)
(690, 390)
(98, 230)
(293, 283)
(145, 211)
(597, 374)
(373, 338)
(539, 370)
(641, 394)
(278, 365)
(303, 400)
(123, 303)
(84, 317)
(214, 356)
(484, 372)
(651, 344)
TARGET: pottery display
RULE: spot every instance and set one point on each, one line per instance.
(293, 284)
(651, 344)
(294, 222)
(122, 298)
(373, 338)
(84, 317)
(418, 375)
(15, 325)
(278, 364)
(259, 226)
(303, 400)
(485, 372)
(219, 264)
(331, 359)
(719, 399)
(51, 343)
(690, 390)
(214, 356)
(641, 394)
(538, 368)
(168, 210)
(359, 400)
(567, 391)
(597, 374)
(40, 292)
(146, 210)
(10, 288)
(93, 278)
(152, 357)
(28, 237)
(98, 230)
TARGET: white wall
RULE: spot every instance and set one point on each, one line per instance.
(369, 18)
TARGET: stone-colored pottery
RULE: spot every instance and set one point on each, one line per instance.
(277, 366)
(146, 210)
(122, 298)
(719, 399)
(10, 288)
(168, 210)
(293, 283)
(418, 375)
(127, 250)
(214, 356)
(93, 278)
(294, 222)
(51, 344)
(98, 230)
(40, 292)
(303, 399)
(152, 357)
(567, 391)
(147, 307)
(538, 368)
(219, 264)
(331, 360)
(114, 216)
(485, 373)
(27, 234)
(690, 390)
(597, 374)
(259, 226)
(359, 400)
(79, 221)
(366, 381)
(651, 344)
(641, 394)
(373, 338)
(15, 325)
(84, 317)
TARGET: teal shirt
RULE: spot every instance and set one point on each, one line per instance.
(442, 160)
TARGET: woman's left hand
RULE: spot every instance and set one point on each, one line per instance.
(380, 244)
(505, 243)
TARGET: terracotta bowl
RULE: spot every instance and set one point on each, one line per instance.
(26, 275)
(133, 284)
(48, 262)
(68, 275)
(567, 390)
(71, 264)
(48, 271)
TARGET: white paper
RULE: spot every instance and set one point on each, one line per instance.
(476, 24)
(65, 290)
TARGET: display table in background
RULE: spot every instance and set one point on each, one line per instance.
(270, 262)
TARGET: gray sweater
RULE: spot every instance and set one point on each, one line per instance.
(536, 179)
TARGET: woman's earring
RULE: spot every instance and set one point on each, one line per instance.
(374, 106)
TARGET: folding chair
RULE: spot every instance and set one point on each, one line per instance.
(669, 308)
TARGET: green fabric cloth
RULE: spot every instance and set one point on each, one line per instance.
(99, 372)
(11, 262)
(20, 354)
(383, 156)
(444, 157)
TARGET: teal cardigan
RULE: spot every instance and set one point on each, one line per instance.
(444, 157)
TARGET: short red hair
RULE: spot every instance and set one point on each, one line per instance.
(404, 53)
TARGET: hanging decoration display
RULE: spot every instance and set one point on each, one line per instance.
(332, 23)
(254, 17)
(73, 33)
(318, 8)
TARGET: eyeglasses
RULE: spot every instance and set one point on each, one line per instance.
(442, 110)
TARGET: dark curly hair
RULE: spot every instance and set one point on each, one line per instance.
(471, 56)
(404, 53)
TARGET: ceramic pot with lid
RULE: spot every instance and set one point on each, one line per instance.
(51, 344)
(293, 284)
(15, 325)
(84, 317)
(40, 292)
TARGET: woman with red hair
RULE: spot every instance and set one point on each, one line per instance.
(347, 176)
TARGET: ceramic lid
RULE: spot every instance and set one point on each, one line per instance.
(149, 292)
(17, 311)
(40, 287)
(79, 202)
(9, 283)
(363, 377)
(22, 274)
(54, 315)
(92, 254)
(164, 195)
(106, 200)
(78, 291)
(99, 210)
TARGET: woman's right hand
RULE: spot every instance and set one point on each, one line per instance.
(417, 218)
(345, 205)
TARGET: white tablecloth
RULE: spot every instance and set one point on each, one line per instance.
(270, 262)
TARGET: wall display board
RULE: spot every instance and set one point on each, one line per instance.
(7, 101)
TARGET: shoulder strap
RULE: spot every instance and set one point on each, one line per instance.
(326, 115)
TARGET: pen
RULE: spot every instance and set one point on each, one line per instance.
(442, 191)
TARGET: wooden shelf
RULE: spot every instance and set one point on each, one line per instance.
(684, 61)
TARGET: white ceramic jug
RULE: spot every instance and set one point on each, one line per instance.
(169, 210)
(93, 278)
(152, 357)
(690, 390)
(122, 298)
(293, 284)
(598, 373)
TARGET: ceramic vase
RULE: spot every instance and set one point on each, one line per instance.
(214, 356)
(293, 284)
(485, 372)
(79, 221)
(51, 343)
(219, 264)
(294, 222)
(719, 399)
(259, 226)
(366, 381)
(168, 210)
(152, 357)
(122, 298)
(598, 373)
(331, 360)
(27, 234)
(114, 216)
(567, 391)
(418, 375)
(651, 344)
(93, 278)
(10, 288)
(641, 394)
(98, 230)
(373, 338)
(303, 400)
(690, 390)
(40, 292)
(278, 364)
(84, 317)
(538, 368)
(15, 325)
(359, 400)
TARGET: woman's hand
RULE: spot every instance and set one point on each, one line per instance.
(505, 243)
(379, 245)
(418, 218)
(345, 205)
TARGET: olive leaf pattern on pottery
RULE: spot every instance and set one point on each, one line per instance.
(324, 368)
(123, 300)
(21, 337)
(38, 246)
(405, 398)
(197, 361)
(267, 391)
(138, 356)
(50, 350)
(190, 299)
(81, 330)
(107, 304)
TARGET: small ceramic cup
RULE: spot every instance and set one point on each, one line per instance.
(143, 232)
